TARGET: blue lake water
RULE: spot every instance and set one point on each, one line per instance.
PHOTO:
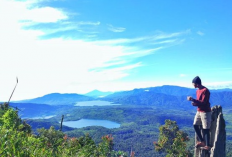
(95, 103)
(91, 122)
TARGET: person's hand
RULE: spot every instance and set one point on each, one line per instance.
(189, 98)
(194, 104)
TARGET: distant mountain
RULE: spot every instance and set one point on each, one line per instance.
(58, 99)
(97, 93)
(172, 90)
(30, 110)
(179, 91)
(147, 98)
(222, 98)
(166, 89)
(221, 90)
(169, 97)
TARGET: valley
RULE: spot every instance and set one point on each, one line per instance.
(139, 112)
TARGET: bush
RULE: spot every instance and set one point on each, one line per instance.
(16, 139)
(172, 141)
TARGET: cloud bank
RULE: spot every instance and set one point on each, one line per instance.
(66, 65)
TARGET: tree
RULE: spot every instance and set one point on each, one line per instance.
(16, 139)
(172, 141)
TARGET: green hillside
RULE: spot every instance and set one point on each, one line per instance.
(17, 140)
(141, 113)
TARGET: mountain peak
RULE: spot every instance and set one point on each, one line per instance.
(97, 93)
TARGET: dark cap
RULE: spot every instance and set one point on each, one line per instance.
(197, 80)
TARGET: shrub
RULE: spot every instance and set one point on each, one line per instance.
(16, 139)
(172, 141)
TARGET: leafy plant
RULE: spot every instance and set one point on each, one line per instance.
(16, 139)
(172, 141)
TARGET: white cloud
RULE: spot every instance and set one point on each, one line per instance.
(120, 41)
(183, 75)
(200, 33)
(153, 39)
(120, 86)
(60, 65)
(166, 41)
(43, 15)
(116, 29)
(25, 11)
(89, 23)
(219, 85)
(163, 35)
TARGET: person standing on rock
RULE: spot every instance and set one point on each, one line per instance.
(203, 115)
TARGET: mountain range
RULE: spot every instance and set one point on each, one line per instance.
(165, 97)
(58, 99)
(168, 97)
(140, 113)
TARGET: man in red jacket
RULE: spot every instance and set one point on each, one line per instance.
(203, 115)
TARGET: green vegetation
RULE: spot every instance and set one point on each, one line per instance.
(16, 139)
(139, 126)
(139, 129)
(172, 140)
(228, 119)
(141, 113)
(228, 148)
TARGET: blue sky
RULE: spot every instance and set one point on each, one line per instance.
(75, 46)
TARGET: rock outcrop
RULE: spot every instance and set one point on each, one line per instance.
(217, 136)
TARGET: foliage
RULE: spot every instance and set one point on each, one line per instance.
(16, 139)
(172, 140)
(139, 125)
(228, 149)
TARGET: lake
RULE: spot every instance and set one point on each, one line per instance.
(95, 103)
(91, 122)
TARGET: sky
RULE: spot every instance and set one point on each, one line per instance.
(76, 46)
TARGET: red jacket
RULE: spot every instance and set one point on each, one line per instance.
(202, 100)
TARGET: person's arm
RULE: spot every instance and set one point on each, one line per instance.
(204, 99)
